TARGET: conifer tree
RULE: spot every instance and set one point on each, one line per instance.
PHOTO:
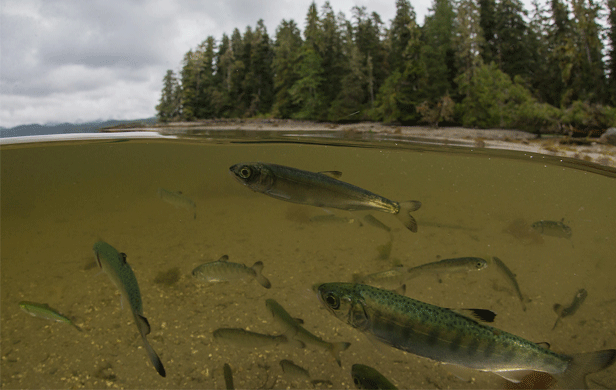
(169, 107)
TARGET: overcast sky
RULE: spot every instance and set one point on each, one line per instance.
(79, 61)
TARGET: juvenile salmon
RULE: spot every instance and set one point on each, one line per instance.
(449, 337)
(121, 274)
(318, 189)
(42, 310)
(223, 270)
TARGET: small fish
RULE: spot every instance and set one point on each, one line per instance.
(552, 228)
(42, 310)
(570, 310)
(246, 338)
(295, 330)
(223, 270)
(178, 200)
(510, 277)
(121, 274)
(365, 377)
(447, 266)
(226, 370)
(318, 189)
(293, 370)
(446, 336)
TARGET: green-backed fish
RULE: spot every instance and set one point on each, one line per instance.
(318, 189)
(246, 338)
(114, 264)
(447, 266)
(42, 310)
(178, 200)
(295, 330)
(446, 336)
(552, 228)
(223, 270)
(365, 377)
(562, 311)
(510, 278)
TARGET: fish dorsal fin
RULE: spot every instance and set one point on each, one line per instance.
(224, 259)
(123, 257)
(299, 321)
(544, 344)
(479, 315)
(332, 174)
(513, 376)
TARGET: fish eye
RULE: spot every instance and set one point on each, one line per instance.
(332, 301)
(245, 172)
(479, 264)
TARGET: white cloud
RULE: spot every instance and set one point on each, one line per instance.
(75, 60)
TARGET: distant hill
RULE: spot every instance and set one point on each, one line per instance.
(66, 128)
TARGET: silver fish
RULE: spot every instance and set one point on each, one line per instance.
(318, 189)
(223, 270)
(552, 228)
(446, 336)
(178, 200)
(121, 274)
(509, 277)
(562, 312)
(446, 266)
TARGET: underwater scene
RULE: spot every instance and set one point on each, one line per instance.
(216, 262)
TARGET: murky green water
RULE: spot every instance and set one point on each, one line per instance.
(59, 198)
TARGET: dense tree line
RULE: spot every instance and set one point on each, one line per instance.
(486, 63)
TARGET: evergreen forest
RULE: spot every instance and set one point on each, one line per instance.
(474, 63)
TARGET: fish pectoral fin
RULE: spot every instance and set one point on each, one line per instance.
(332, 174)
(544, 344)
(142, 324)
(464, 374)
(277, 194)
(514, 376)
(479, 315)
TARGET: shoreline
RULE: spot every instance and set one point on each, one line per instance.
(589, 150)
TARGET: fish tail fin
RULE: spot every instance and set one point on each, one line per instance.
(583, 364)
(263, 281)
(404, 215)
(144, 329)
(336, 348)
